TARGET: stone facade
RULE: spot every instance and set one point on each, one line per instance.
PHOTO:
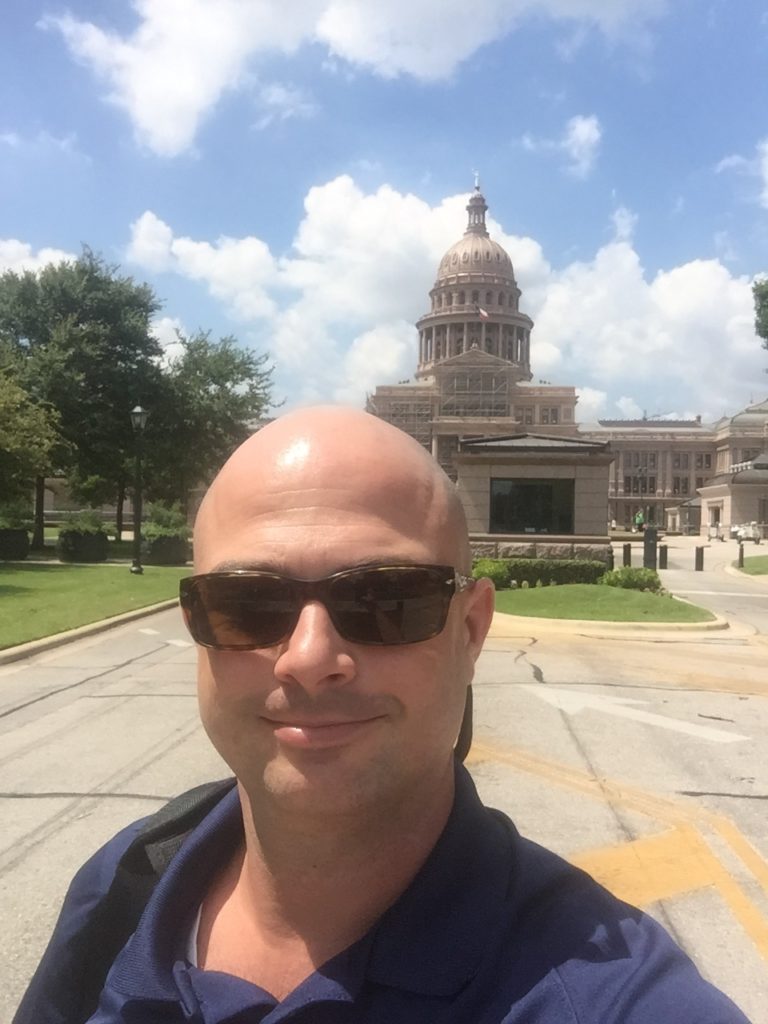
(474, 380)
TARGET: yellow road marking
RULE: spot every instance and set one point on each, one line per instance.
(663, 866)
(657, 867)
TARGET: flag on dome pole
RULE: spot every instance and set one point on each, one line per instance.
(482, 313)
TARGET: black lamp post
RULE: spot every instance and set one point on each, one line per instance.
(138, 422)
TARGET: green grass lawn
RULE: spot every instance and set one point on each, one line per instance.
(593, 601)
(755, 566)
(37, 600)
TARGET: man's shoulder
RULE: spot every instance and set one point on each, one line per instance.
(610, 960)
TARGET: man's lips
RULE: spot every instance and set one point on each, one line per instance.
(318, 733)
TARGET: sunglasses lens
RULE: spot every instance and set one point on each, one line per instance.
(390, 605)
(238, 613)
(401, 605)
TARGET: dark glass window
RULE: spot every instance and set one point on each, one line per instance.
(532, 506)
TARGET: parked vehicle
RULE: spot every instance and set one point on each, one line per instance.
(749, 531)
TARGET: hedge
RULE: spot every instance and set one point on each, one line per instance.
(506, 572)
(632, 579)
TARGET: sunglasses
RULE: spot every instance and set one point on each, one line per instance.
(387, 604)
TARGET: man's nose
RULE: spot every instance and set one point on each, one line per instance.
(314, 655)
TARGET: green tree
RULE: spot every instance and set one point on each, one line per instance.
(80, 332)
(27, 437)
(212, 391)
(760, 293)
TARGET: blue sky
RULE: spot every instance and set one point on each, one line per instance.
(290, 173)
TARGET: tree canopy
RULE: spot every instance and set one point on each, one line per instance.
(760, 292)
(211, 392)
(27, 436)
(77, 348)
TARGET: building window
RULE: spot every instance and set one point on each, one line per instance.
(501, 298)
(527, 415)
(449, 299)
(680, 485)
(699, 482)
(703, 460)
(748, 454)
(475, 296)
(532, 506)
(680, 460)
(550, 415)
(462, 298)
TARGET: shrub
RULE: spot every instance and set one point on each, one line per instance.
(554, 570)
(15, 515)
(495, 569)
(514, 572)
(632, 579)
(87, 521)
(166, 536)
(166, 521)
(14, 543)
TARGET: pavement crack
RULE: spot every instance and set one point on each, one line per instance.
(716, 718)
(730, 796)
(522, 655)
(73, 686)
(80, 795)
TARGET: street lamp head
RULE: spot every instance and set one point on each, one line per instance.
(139, 418)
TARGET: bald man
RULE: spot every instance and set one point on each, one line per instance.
(349, 872)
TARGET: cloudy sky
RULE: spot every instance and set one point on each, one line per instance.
(291, 173)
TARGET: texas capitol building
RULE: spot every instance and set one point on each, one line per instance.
(523, 464)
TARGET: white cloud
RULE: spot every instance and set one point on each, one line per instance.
(624, 222)
(579, 143)
(591, 404)
(44, 145)
(236, 270)
(279, 102)
(755, 167)
(169, 73)
(629, 408)
(19, 256)
(336, 312)
(167, 329)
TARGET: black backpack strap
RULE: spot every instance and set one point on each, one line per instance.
(71, 989)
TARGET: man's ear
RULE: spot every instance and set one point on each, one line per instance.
(478, 613)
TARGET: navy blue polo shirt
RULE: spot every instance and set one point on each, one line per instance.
(493, 930)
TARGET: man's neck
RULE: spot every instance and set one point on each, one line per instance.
(303, 890)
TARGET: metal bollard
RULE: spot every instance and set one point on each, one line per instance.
(699, 563)
(663, 556)
(610, 563)
(650, 538)
(627, 554)
(740, 562)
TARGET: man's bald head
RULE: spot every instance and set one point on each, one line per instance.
(345, 462)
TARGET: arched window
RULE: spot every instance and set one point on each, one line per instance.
(448, 299)
(462, 298)
(501, 298)
(475, 296)
(488, 298)
(438, 301)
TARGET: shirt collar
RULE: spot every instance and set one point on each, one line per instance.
(449, 913)
(453, 908)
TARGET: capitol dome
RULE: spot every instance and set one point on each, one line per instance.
(476, 253)
(475, 304)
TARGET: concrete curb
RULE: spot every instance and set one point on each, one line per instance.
(502, 622)
(731, 570)
(47, 643)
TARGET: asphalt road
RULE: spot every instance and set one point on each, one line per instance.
(641, 757)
